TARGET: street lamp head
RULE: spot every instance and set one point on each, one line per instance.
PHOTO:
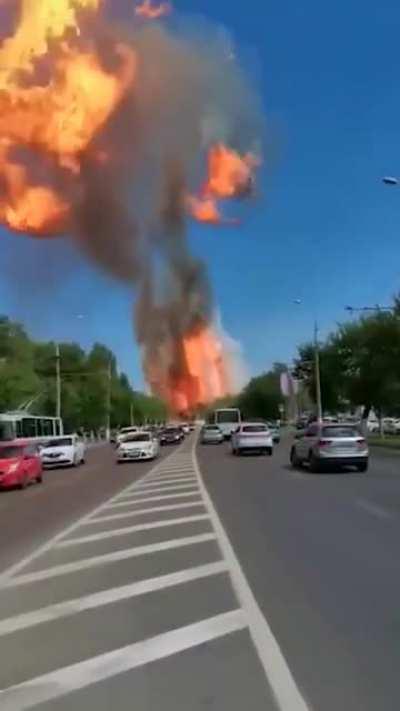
(389, 180)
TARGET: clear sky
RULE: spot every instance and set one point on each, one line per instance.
(323, 229)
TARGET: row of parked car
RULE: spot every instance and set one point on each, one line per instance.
(22, 463)
(247, 437)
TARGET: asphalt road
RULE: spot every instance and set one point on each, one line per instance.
(143, 603)
(321, 554)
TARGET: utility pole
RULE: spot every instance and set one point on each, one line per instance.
(108, 423)
(317, 374)
(58, 381)
(131, 415)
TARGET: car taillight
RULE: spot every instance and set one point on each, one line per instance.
(324, 442)
(361, 443)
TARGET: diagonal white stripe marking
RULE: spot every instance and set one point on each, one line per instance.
(102, 535)
(107, 597)
(85, 673)
(134, 502)
(94, 561)
(150, 484)
(143, 512)
(168, 487)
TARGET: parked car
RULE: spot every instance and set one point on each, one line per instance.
(321, 445)
(20, 465)
(138, 446)
(63, 451)
(211, 434)
(252, 437)
(171, 435)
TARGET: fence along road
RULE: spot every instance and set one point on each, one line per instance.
(142, 602)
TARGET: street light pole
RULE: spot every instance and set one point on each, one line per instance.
(317, 374)
(108, 423)
(58, 381)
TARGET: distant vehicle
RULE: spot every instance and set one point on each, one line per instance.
(321, 445)
(252, 437)
(211, 434)
(185, 428)
(122, 433)
(138, 446)
(29, 428)
(171, 435)
(63, 451)
(20, 465)
(275, 430)
(227, 420)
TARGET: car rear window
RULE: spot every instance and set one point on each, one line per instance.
(340, 432)
(212, 428)
(255, 428)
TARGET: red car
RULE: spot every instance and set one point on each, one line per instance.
(20, 465)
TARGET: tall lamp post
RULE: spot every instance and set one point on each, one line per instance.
(317, 368)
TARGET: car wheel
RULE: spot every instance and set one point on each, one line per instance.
(294, 460)
(39, 479)
(362, 467)
(23, 483)
(314, 464)
(269, 451)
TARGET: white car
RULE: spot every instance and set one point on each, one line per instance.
(138, 446)
(252, 437)
(126, 431)
(323, 445)
(63, 451)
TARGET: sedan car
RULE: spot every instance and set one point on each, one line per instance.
(211, 434)
(322, 445)
(140, 446)
(171, 435)
(252, 437)
(275, 430)
(20, 465)
(63, 452)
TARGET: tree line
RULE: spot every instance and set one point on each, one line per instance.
(90, 382)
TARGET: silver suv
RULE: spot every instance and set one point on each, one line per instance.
(328, 444)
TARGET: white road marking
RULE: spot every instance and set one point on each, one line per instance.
(107, 597)
(16, 567)
(170, 487)
(134, 502)
(276, 669)
(374, 509)
(85, 673)
(94, 561)
(143, 512)
(102, 535)
(150, 484)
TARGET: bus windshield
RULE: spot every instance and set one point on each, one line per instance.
(227, 416)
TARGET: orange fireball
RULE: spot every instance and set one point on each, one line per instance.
(153, 12)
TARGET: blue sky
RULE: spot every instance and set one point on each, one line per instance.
(324, 229)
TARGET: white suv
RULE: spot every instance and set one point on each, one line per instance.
(328, 444)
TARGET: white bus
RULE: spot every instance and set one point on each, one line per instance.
(23, 425)
(227, 419)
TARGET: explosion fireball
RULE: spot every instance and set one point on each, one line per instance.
(106, 127)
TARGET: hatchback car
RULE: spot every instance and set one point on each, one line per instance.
(211, 434)
(171, 435)
(322, 445)
(140, 446)
(20, 465)
(252, 437)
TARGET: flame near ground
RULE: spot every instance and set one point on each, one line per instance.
(117, 129)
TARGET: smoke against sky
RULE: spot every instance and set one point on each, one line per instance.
(133, 111)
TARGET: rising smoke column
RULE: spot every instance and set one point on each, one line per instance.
(115, 132)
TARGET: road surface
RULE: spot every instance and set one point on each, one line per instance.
(130, 587)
